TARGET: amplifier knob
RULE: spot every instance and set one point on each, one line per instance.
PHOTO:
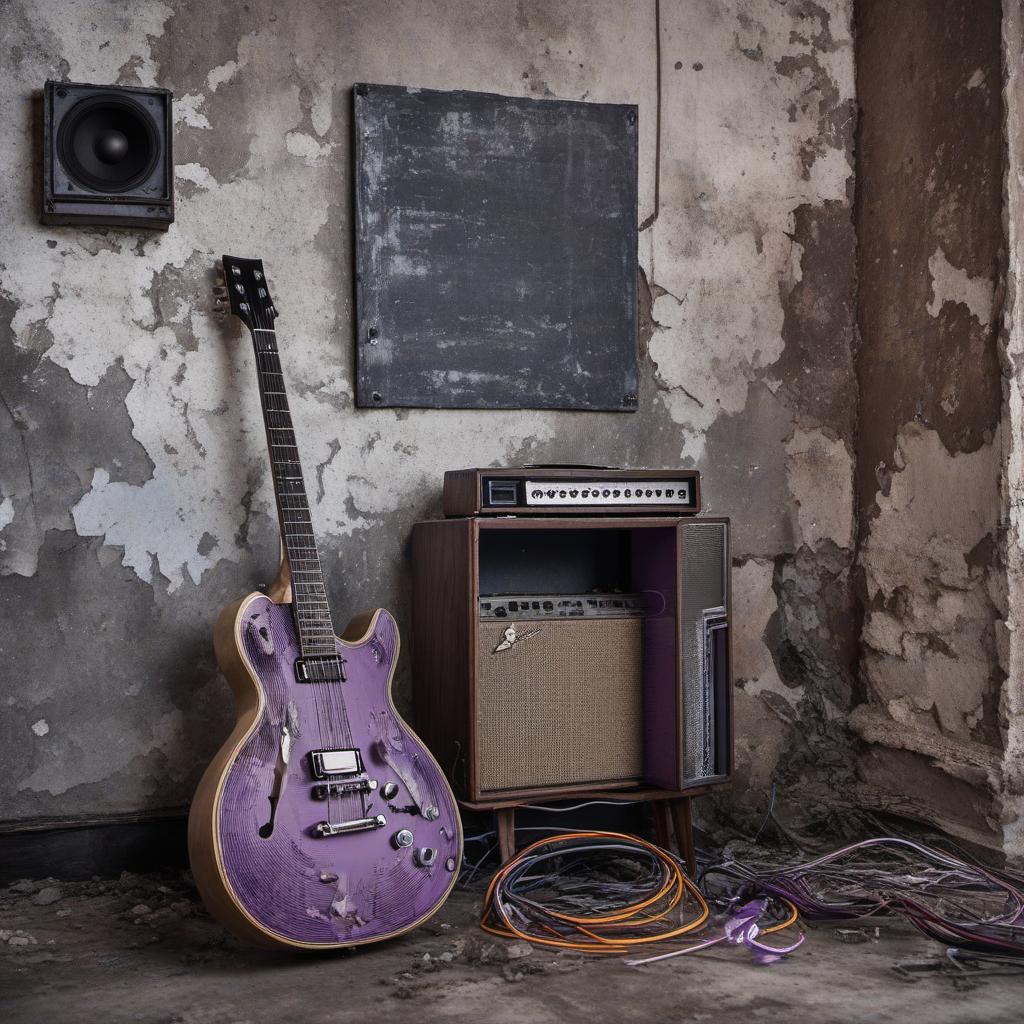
(572, 494)
(586, 494)
(670, 494)
(605, 494)
(629, 493)
(658, 493)
(401, 839)
(561, 494)
(551, 494)
(536, 494)
(615, 494)
(648, 492)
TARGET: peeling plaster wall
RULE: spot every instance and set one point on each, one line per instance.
(931, 279)
(134, 500)
(1012, 434)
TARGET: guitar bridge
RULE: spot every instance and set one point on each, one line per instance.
(338, 828)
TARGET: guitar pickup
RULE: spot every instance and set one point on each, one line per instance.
(325, 789)
(338, 828)
(327, 763)
(321, 668)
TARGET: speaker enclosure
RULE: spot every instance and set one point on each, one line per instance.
(665, 689)
(78, 186)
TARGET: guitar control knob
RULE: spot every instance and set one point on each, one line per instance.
(425, 856)
(402, 839)
(431, 813)
(389, 790)
(449, 864)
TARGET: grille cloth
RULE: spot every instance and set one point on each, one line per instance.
(701, 588)
(562, 706)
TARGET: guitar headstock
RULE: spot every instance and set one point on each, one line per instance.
(245, 289)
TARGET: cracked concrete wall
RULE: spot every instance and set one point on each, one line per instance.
(134, 500)
(929, 451)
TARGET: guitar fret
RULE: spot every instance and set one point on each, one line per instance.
(310, 607)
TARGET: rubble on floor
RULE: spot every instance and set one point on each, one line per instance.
(142, 948)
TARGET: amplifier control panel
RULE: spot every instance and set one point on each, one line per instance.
(570, 490)
(562, 606)
(581, 493)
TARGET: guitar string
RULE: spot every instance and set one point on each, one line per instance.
(333, 711)
(280, 492)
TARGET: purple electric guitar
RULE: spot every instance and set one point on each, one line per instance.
(323, 821)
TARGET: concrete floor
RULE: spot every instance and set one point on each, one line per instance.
(143, 949)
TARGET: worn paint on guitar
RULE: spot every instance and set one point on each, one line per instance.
(340, 889)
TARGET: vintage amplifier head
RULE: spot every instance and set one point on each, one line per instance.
(571, 490)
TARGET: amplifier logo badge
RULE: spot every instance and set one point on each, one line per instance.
(511, 637)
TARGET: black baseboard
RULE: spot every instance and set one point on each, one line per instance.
(77, 851)
(103, 850)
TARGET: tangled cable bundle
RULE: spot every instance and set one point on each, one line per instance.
(605, 892)
(548, 894)
(960, 903)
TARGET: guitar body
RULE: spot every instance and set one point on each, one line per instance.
(260, 864)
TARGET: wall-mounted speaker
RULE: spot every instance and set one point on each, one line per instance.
(107, 156)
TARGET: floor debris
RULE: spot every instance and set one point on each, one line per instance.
(177, 965)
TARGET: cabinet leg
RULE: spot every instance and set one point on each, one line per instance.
(505, 819)
(661, 823)
(682, 820)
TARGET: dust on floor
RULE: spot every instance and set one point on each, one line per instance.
(143, 949)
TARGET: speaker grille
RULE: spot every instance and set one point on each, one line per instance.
(560, 707)
(108, 143)
(702, 600)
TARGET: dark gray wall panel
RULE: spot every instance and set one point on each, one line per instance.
(496, 251)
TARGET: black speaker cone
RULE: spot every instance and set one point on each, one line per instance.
(108, 143)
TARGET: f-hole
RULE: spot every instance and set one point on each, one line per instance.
(266, 830)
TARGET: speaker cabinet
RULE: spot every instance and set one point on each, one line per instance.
(107, 156)
(564, 656)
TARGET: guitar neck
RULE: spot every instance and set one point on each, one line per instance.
(309, 594)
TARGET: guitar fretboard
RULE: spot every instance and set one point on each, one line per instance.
(309, 595)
